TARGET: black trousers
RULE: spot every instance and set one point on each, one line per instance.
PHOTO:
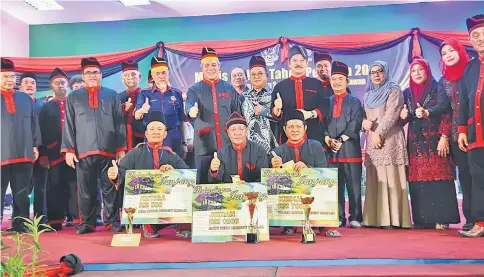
(39, 180)
(89, 170)
(465, 179)
(19, 175)
(61, 193)
(202, 164)
(349, 176)
(476, 167)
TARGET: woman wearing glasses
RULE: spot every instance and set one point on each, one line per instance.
(386, 201)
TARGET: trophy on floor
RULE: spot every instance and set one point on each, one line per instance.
(128, 239)
(308, 235)
(252, 232)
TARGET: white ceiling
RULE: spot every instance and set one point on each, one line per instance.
(111, 10)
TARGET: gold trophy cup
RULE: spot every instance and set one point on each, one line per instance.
(252, 232)
(308, 235)
(128, 239)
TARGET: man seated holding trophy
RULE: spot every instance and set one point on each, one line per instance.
(298, 153)
(150, 155)
(240, 160)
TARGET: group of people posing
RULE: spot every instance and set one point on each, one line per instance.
(81, 139)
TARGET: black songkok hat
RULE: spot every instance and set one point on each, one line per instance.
(7, 65)
(297, 50)
(28, 75)
(208, 52)
(129, 65)
(257, 61)
(90, 62)
(150, 78)
(235, 118)
(58, 73)
(155, 116)
(339, 68)
(294, 115)
(322, 56)
(475, 22)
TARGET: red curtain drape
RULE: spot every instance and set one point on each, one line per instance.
(73, 63)
(461, 36)
(223, 46)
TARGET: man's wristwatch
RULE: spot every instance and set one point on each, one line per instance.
(340, 139)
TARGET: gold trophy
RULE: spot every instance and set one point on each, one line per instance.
(252, 232)
(130, 212)
(308, 235)
(130, 238)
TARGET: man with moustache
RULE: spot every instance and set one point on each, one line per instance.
(134, 128)
(20, 139)
(94, 134)
(28, 84)
(238, 78)
(62, 182)
(323, 61)
(471, 120)
(257, 105)
(166, 99)
(300, 92)
(342, 136)
(240, 157)
(210, 103)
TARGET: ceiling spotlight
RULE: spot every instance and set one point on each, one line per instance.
(45, 5)
(135, 2)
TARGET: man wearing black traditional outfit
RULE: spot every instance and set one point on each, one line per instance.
(300, 92)
(150, 155)
(210, 103)
(471, 123)
(62, 182)
(238, 157)
(342, 136)
(134, 128)
(94, 134)
(20, 139)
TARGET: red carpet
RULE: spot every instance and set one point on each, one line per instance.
(355, 243)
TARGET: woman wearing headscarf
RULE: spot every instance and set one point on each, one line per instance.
(453, 60)
(386, 200)
(431, 170)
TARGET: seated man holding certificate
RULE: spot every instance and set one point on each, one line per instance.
(298, 153)
(150, 155)
(240, 160)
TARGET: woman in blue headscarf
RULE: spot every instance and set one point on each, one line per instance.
(386, 200)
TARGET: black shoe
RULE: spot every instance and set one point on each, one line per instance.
(84, 229)
(467, 226)
(116, 227)
(22, 230)
(56, 226)
(99, 222)
(69, 224)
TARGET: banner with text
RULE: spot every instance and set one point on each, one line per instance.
(159, 197)
(221, 212)
(287, 186)
(186, 71)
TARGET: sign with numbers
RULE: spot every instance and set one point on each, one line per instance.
(159, 197)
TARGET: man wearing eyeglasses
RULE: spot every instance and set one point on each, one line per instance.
(94, 134)
(134, 128)
(257, 105)
(20, 139)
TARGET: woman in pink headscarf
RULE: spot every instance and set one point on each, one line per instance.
(431, 170)
(453, 60)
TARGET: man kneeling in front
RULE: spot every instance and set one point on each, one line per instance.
(150, 155)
